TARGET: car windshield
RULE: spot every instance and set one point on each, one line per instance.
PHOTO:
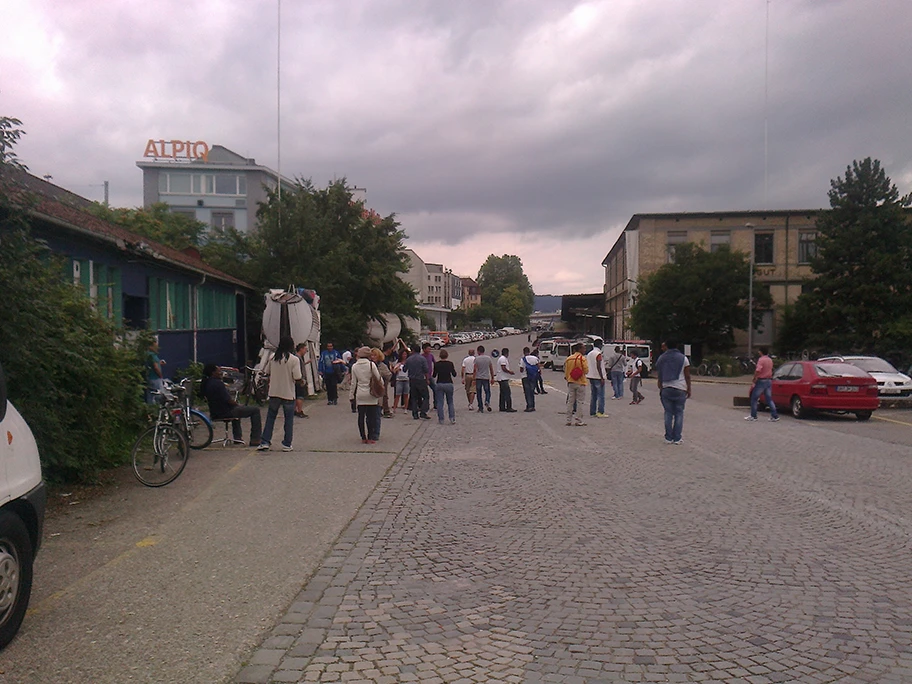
(839, 370)
(873, 365)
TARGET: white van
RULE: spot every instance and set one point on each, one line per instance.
(545, 350)
(22, 501)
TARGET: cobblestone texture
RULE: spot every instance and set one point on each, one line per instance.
(510, 548)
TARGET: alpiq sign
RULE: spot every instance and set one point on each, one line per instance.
(177, 149)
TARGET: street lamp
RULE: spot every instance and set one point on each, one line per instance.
(750, 297)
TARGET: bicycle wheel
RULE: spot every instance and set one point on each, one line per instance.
(715, 370)
(702, 369)
(159, 455)
(199, 431)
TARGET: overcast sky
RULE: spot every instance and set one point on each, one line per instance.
(528, 127)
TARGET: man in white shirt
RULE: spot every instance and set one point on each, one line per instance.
(615, 368)
(468, 377)
(596, 379)
(530, 368)
(503, 379)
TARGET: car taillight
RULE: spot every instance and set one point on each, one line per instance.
(872, 390)
(818, 389)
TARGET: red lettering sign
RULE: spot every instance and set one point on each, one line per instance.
(177, 149)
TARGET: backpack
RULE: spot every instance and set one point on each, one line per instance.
(644, 371)
(576, 372)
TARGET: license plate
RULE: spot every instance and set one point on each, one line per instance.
(847, 388)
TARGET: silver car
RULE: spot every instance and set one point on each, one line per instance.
(890, 382)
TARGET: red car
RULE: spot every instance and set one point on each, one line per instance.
(806, 386)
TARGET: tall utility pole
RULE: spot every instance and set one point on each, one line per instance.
(750, 297)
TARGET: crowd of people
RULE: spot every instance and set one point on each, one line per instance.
(419, 382)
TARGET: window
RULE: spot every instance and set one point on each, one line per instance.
(215, 308)
(763, 248)
(230, 184)
(223, 219)
(675, 238)
(169, 305)
(203, 184)
(717, 239)
(102, 285)
(807, 247)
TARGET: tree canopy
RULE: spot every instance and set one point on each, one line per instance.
(157, 223)
(861, 296)
(321, 238)
(504, 284)
(700, 299)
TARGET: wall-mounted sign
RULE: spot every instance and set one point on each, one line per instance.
(177, 149)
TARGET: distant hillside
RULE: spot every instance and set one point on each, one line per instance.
(547, 303)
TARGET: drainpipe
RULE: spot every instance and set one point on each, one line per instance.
(196, 316)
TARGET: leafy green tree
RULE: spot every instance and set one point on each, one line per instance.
(10, 132)
(512, 309)
(700, 299)
(861, 295)
(323, 239)
(495, 277)
(157, 223)
(79, 390)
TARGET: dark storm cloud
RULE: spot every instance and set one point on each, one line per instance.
(534, 117)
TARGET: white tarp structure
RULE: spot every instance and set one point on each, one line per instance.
(294, 312)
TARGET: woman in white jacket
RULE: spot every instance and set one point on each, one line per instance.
(368, 405)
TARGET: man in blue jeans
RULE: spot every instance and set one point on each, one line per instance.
(673, 375)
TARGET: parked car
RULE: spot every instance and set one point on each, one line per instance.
(805, 386)
(22, 503)
(545, 350)
(435, 342)
(890, 382)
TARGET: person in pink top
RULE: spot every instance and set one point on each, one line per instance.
(763, 384)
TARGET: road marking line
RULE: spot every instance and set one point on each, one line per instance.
(891, 420)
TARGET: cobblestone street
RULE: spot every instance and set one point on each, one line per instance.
(509, 547)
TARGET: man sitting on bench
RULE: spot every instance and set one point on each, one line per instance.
(222, 406)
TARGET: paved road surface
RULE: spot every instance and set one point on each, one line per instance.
(505, 548)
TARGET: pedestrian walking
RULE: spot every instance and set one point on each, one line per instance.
(332, 368)
(484, 374)
(615, 365)
(401, 395)
(301, 389)
(284, 373)
(575, 370)
(673, 378)
(636, 379)
(154, 375)
(360, 394)
(379, 359)
(763, 385)
(596, 379)
(540, 383)
(416, 366)
(530, 368)
(444, 375)
(504, 373)
(428, 355)
(468, 376)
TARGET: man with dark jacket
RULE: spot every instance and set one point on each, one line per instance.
(673, 375)
(221, 406)
(417, 368)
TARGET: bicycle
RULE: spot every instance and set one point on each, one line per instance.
(712, 369)
(160, 452)
(196, 425)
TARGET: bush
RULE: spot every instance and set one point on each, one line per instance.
(78, 388)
